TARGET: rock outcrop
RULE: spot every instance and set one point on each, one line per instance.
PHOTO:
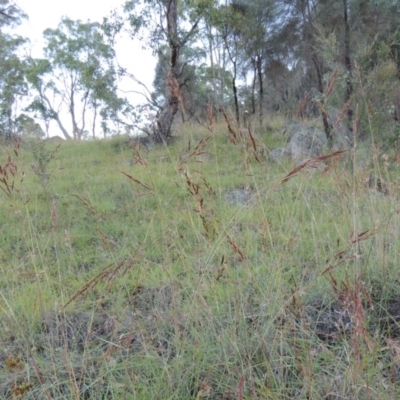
(304, 142)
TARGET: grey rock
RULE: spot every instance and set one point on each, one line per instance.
(239, 196)
(279, 155)
(306, 143)
(290, 128)
(147, 142)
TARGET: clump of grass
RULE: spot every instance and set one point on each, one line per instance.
(144, 280)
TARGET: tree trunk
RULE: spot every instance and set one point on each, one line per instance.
(211, 50)
(75, 129)
(253, 87)
(56, 117)
(167, 114)
(347, 62)
(327, 126)
(235, 95)
(260, 90)
(94, 122)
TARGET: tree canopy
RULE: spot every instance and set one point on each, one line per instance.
(258, 56)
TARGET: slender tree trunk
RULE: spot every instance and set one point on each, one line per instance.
(46, 124)
(167, 114)
(75, 129)
(83, 116)
(233, 59)
(211, 50)
(253, 87)
(318, 70)
(56, 117)
(223, 69)
(260, 90)
(61, 126)
(309, 36)
(94, 123)
(348, 66)
(235, 95)
(9, 132)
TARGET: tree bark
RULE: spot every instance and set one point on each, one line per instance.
(56, 117)
(211, 50)
(167, 114)
(260, 90)
(347, 62)
(165, 118)
(253, 87)
(327, 126)
(308, 22)
(235, 95)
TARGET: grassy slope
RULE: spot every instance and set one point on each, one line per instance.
(174, 293)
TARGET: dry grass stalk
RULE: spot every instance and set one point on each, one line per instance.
(104, 240)
(303, 104)
(331, 84)
(322, 108)
(353, 298)
(246, 136)
(341, 257)
(87, 203)
(233, 134)
(235, 248)
(194, 190)
(137, 155)
(329, 90)
(196, 152)
(344, 255)
(314, 163)
(342, 112)
(109, 273)
(355, 238)
(240, 388)
(206, 215)
(9, 168)
(254, 145)
(137, 181)
(8, 172)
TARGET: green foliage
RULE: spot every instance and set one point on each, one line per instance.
(10, 14)
(27, 127)
(12, 80)
(12, 83)
(196, 77)
(79, 62)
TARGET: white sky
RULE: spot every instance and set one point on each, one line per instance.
(45, 14)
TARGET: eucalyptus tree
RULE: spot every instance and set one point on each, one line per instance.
(334, 37)
(196, 81)
(244, 27)
(260, 28)
(232, 21)
(170, 23)
(12, 80)
(76, 78)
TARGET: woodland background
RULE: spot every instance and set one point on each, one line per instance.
(299, 58)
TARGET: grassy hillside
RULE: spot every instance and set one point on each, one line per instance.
(196, 271)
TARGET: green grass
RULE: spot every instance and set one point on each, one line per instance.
(162, 287)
